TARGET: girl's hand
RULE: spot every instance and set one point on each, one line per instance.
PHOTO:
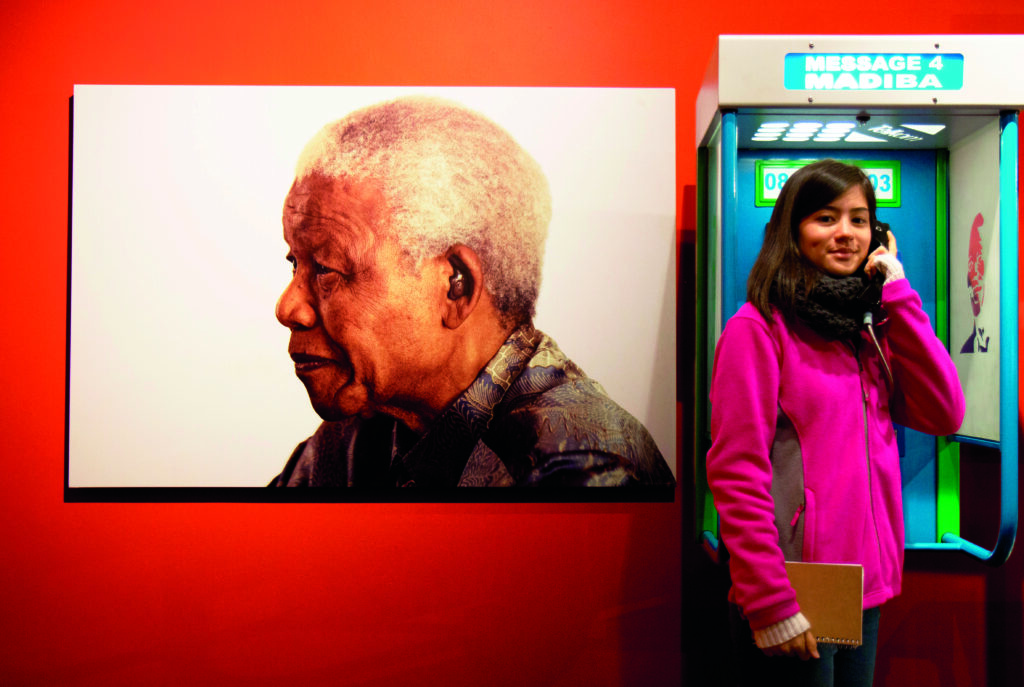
(802, 646)
(884, 259)
(872, 267)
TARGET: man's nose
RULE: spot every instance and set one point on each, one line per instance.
(295, 309)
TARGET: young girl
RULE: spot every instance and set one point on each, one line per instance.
(803, 463)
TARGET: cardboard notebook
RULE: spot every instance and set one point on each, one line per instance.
(831, 598)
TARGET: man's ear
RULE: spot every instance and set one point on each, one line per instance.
(465, 284)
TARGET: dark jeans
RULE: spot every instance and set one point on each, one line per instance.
(837, 667)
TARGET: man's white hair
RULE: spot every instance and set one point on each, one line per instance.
(449, 175)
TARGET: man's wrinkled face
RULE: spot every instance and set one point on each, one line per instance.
(363, 320)
(976, 267)
(976, 283)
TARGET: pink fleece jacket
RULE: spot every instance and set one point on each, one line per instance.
(818, 414)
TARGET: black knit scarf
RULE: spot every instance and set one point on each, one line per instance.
(836, 305)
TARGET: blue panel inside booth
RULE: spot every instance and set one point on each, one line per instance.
(913, 224)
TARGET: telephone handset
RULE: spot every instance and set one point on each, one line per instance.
(873, 284)
(879, 236)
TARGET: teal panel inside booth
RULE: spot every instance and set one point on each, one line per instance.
(913, 223)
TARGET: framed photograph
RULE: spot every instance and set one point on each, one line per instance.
(180, 385)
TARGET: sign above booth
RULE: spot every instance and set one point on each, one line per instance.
(874, 71)
(843, 76)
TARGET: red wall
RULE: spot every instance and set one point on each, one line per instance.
(107, 594)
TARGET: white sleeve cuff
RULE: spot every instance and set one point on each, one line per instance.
(782, 631)
(890, 266)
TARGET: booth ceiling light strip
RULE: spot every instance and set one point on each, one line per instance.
(930, 129)
(857, 137)
(833, 132)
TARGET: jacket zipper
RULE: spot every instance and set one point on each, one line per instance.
(867, 454)
(796, 516)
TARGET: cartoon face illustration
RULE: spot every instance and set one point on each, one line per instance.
(976, 267)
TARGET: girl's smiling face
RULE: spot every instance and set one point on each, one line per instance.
(836, 238)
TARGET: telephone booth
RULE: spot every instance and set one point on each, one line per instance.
(933, 120)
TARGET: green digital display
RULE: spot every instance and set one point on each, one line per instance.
(773, 174)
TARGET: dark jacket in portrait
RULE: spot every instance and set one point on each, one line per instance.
(531, 417)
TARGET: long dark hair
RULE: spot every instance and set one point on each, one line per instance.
(781, 271)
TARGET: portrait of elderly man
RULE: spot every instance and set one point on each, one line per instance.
(415, 230)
